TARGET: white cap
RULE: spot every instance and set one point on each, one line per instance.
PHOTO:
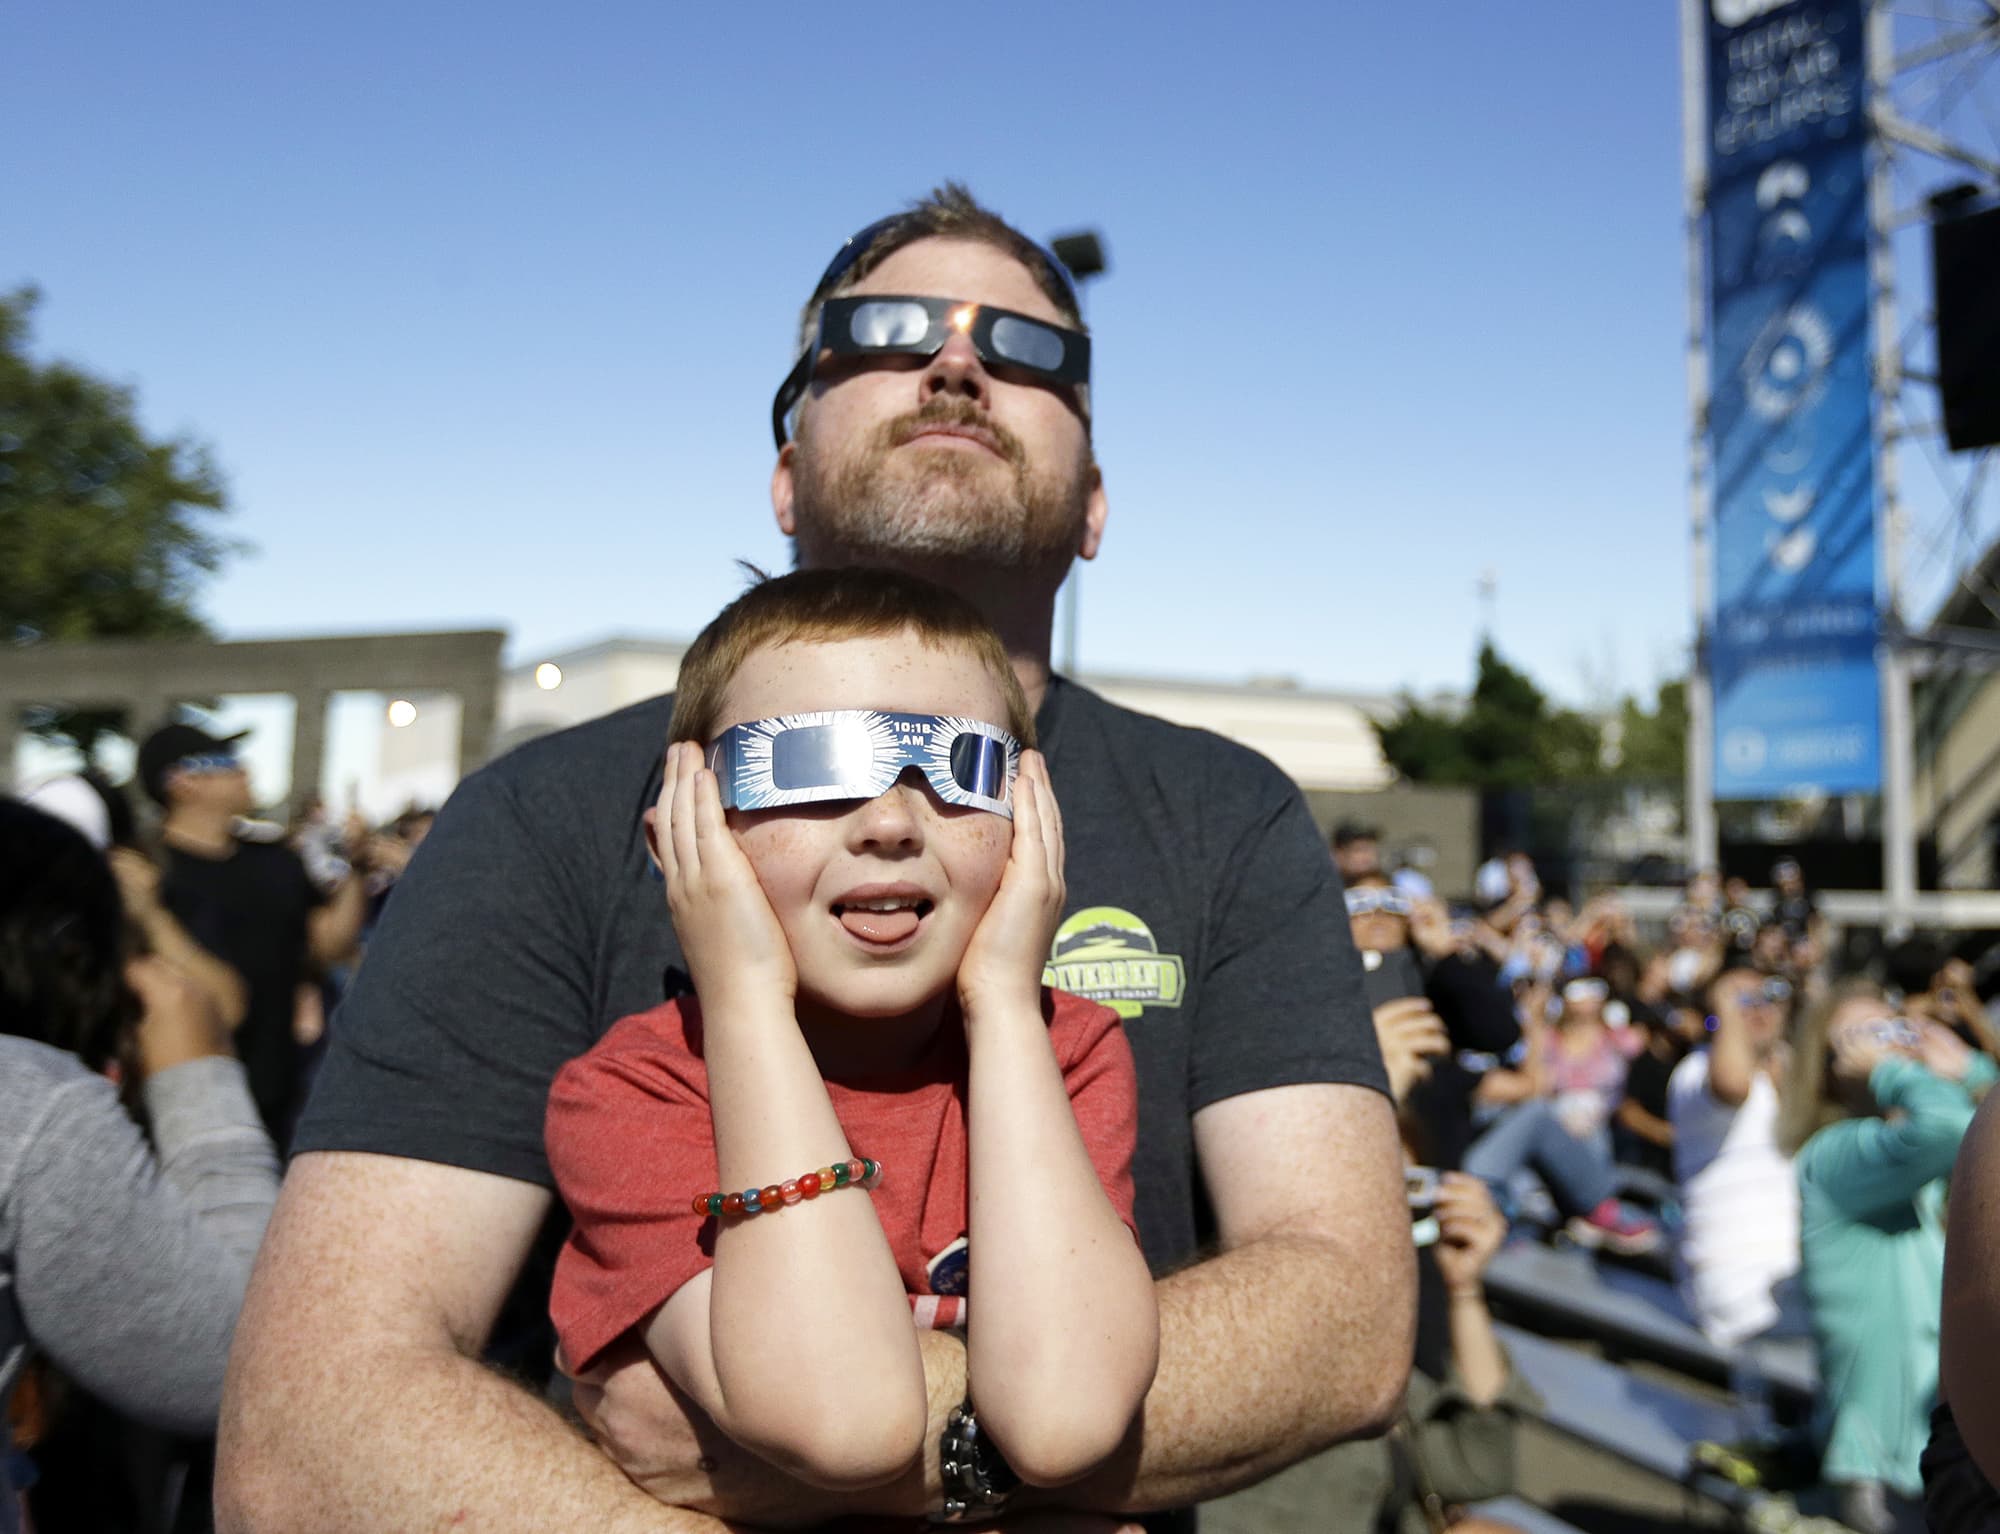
(74, 801)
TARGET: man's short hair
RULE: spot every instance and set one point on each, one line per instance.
(1348, 832)
(821, 606)
(950, 212)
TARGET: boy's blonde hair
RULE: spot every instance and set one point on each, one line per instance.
(817, 606)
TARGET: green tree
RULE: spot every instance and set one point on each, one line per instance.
(1508, 735)
(1653, 744)
(105, 532)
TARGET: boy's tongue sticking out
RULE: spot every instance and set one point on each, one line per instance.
(881, 918)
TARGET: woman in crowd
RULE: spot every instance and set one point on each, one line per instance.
(1739, 1246)
(1876, 1107)
(1556, 1119)
(120, 1262)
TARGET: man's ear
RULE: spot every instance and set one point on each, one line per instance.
(782, 489)
(1095, 509)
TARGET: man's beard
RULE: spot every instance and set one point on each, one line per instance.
(944, 505)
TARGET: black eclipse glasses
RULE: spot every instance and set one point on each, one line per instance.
(887, 324)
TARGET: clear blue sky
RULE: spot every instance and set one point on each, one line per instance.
(481, 305)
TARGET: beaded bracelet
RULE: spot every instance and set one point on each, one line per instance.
(841, 1174)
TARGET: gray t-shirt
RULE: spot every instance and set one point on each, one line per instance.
(124, 1268)
(1202, 907)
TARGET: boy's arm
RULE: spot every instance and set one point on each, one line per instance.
(1064, 1334)
(800, 1344)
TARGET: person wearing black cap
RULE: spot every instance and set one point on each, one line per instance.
(247, 902)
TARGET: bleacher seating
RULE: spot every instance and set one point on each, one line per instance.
(1641, 1421)
(1524, 1516)
(1636, 1314)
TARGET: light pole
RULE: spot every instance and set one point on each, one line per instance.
(1082, 251)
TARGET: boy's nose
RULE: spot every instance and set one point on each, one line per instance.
(894, 818)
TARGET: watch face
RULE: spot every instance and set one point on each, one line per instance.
(950, 1271)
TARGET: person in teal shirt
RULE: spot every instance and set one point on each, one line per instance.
(1878, 1107)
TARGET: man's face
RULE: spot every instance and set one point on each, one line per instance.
(1358, 857)
(928, 460)
(1747, 997)
(210, 786)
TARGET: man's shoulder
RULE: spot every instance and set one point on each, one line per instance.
(1209, 756)
(582, 758)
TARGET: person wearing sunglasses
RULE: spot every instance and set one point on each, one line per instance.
(1739, 1244)
(247, 901)
(939, 423)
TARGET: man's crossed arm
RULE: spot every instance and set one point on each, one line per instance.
(355, 1397)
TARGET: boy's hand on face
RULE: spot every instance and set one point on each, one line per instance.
(727, 929)
(1003, 963)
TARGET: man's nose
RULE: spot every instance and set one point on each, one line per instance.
(956, 369)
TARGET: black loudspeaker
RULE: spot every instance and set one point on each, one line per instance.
(1965, 282)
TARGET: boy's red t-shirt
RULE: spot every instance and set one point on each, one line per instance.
(631, 1143)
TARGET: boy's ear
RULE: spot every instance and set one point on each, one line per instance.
(651, 821)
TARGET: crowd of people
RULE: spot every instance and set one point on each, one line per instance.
(649, 1116)
(161, 992)
(1805, 1119)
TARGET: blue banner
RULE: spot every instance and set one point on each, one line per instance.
(1792, 648)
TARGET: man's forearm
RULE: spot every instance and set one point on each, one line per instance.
(1238, 1396)
(335, 928)
(403, 1438)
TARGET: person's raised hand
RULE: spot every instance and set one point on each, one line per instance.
(388, 854)
(1411, 1035)
(727, 929)
(138, 879)
(1470, 1230)
(1859, 1047)
(1943, 1052)
(1004, 961)
(1430, 927)
(177, 1019)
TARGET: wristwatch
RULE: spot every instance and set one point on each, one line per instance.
(977, 1479)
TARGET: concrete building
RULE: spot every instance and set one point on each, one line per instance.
(1323, 740)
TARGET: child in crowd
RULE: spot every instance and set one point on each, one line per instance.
(865, 872)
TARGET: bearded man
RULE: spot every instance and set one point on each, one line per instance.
(942, 415)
